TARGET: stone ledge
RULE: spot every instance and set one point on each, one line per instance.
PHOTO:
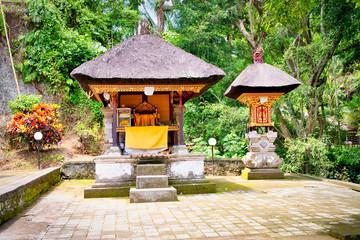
(107, 192)
(16, 196)
(195, 188)
(261, 173)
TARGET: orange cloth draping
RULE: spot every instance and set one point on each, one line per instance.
(145, 119)
(146, 137)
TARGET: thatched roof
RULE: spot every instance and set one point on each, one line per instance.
(261, 78)
(146, 59)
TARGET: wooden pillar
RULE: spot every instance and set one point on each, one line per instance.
(181, 118)
(114, 133)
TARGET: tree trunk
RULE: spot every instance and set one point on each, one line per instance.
(283, 125)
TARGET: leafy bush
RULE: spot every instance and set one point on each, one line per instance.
(347, 163)
(41, 118)
(206, 120)
(24, 104)
(307, 156)
(202, 146)
(91, 137)
(234, 146)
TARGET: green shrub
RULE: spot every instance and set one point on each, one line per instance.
(234, 146)
(202, 146)
(24, 104)
(91, 137)
(307, 156)
(346, 163)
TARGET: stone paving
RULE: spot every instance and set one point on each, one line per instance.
(293, 208)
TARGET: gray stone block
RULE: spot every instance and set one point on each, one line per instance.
(152, 181)
(153, 195)
(151, 169)
(262, 173)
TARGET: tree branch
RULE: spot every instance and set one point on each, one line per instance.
(283, 124)
(249, 38)
(250, 18)
(322, 63)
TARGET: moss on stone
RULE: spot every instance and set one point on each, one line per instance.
(195, 188)
(106, 192)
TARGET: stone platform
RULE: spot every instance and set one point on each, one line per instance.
(261, 173)
(296, 208)
(116, 175)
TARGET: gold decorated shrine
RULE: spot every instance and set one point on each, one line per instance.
(260, 107)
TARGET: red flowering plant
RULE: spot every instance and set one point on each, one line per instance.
(41, 118)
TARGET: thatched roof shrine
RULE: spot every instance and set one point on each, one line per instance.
(261, 78)
(147, 60)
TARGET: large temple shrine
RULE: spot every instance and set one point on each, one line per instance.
(143, 83)
(146, 80)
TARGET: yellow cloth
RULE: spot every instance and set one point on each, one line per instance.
(146, 137)
(145, 119)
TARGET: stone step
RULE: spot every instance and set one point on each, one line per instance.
(151, 169)
(153, 195)
(152, 181)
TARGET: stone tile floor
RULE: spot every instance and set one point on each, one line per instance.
(292, 208)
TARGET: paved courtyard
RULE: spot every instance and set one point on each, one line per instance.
(293, 208)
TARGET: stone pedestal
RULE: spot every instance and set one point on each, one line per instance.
(261, 161)
(108, 140)
(116, 174)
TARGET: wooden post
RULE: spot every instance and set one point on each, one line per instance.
(114, 125)
(181, 118)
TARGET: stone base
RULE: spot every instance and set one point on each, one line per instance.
(106, 192)
(150, 169)
(153, 195)
(262, 173)
(180, 149)
(152, 181)
(195, 188)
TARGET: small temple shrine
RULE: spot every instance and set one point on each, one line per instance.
(258, 86)
(143, 83)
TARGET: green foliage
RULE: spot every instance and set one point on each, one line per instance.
(91, 137)
(347, 163)
(57, 158)
(234, 146)
(2, 29)
(351, 108)
(24, 103)
(205, 120)
(307, 156)
(64, 34)
(201, 146)
(96, 130)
